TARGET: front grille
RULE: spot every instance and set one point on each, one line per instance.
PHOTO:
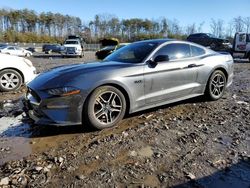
(70, 49)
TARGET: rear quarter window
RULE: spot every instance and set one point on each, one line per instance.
(196, 51)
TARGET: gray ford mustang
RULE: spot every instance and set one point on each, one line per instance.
(139, 76)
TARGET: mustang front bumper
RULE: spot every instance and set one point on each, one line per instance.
(59, 111)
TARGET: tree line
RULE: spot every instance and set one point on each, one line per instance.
(28, 26)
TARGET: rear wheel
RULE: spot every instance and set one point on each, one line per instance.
(10, 80)
(27, 55)
(216, 85)
(105, 107)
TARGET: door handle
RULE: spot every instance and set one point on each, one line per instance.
(192, 65)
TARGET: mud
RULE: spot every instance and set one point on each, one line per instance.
(193, 143)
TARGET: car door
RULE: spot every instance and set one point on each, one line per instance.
(19, 51)
(11, 50)
(172, 79)
(240, 42)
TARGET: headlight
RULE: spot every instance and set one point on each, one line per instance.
(28, 62)
(63, 91)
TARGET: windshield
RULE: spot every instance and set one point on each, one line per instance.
(211, 35)
(71, 42)
(133, 53)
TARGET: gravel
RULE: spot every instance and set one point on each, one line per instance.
(194, 143)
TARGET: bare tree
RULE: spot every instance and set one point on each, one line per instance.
(191, 29)
(174, 27)
(200, 27)
(217, 27)
(238, 23)
(247, 24)
(230, 29)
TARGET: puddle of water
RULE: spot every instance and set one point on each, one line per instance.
(14, 148)
(8, 122)
(18, 140)
(237, 175)
(226, 140)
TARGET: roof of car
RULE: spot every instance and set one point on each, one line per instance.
(159, 41)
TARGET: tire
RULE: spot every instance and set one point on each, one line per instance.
(82, 55)
(10, 80)
(216, 85)
(27, 55)
(105, 107)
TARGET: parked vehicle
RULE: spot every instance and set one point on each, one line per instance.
(31, 49)
(107, 50)
(209, 40)
(15, 50)
(241, 45)
(139, 76)
(73, 46)
(15, 71)
(49, 48)
(3, 45)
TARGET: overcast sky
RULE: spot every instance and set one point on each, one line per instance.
(185, 11)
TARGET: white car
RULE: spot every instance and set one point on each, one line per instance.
(15, 50)
(15, 71)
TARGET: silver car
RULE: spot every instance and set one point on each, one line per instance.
(139, 76)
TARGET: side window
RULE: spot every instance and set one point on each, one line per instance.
(10, 48)
(175, 51)
(205, 36)
(196, 51)
(242, 38)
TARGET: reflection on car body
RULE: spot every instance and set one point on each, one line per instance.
(107, 50)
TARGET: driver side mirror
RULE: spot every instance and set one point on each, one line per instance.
(161, 58)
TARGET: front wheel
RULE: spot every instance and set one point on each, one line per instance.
(105, 107)
(10, 80)
(216, 85)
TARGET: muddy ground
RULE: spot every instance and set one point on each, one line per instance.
(194, 143)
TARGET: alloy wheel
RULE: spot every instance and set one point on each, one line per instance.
(9, 81)
(107, 107)
(218, 84)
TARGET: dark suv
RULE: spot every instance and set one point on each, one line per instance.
(209, 40)
(48, 48)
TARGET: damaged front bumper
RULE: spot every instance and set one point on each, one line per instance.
(59, 111)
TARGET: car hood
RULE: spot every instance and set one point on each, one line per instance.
(62, 75)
